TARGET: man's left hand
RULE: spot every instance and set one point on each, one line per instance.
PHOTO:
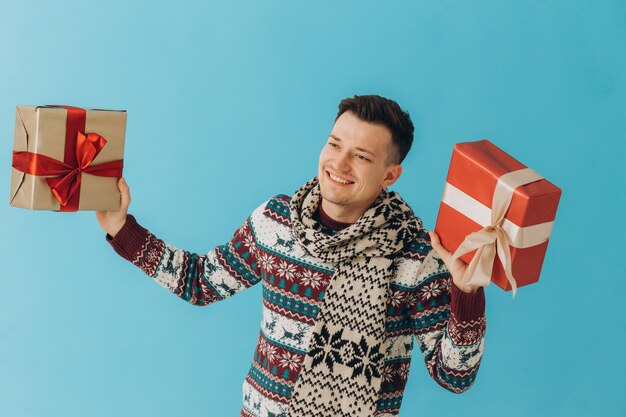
(458, 270)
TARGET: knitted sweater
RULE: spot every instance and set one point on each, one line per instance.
(423, 303)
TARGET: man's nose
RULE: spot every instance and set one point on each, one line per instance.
(342, 163)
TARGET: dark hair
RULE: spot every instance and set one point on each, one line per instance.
(377, 109)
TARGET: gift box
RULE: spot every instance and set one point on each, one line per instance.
(496, 214)
(67, 158)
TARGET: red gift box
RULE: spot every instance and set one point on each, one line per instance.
(512, 237)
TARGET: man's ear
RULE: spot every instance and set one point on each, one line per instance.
(393, 173)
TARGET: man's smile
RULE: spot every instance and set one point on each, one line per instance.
(338, 180)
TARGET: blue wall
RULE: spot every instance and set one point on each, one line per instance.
(228, 104)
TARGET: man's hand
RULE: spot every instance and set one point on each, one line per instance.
(458, 270)
(112, 221)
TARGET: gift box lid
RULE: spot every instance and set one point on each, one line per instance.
(475, 168)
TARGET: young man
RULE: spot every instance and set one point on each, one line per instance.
(350, 278)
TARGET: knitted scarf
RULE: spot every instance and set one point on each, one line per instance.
(340, 375)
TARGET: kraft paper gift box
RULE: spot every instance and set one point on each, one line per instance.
(67, 158)
(495, 211)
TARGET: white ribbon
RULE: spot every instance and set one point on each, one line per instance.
(498, 234)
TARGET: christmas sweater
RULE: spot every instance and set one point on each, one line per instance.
(424, 305)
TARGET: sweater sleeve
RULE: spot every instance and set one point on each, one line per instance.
(199, 279)
(449, 326)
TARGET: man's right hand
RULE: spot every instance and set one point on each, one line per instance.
(112, 221)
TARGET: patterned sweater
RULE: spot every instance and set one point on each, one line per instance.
(423, 303)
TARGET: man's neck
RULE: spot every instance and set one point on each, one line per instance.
(329, 222)
(342, 214)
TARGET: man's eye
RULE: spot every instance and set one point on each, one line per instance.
(363, 158)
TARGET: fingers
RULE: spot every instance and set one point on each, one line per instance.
(125, 193)
(436, 243)
(434, 240)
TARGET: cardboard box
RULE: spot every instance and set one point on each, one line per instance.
(67, 158)
(466, 207)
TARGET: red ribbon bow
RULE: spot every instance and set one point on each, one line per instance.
(80, 151)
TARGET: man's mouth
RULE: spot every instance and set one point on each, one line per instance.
(338, 180)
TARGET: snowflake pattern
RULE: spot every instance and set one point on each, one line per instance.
(430, 290)
(248, 241)
(149, 257)
(403, 371)
(405, 228)
(290, 360)
(327, 347)
(471, 334)
(396, 298)
(366, 359)
(152, 256)
(468, 333)
(262, 346)
(411, 299)
(312, 279)
(334, 348)
(270, 352)
(387, 373)
(286, 270)
(267, 262)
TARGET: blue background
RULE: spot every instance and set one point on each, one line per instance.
(230, 103)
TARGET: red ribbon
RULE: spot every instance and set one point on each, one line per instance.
(80, 151)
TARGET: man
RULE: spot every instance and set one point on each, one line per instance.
(349, 279)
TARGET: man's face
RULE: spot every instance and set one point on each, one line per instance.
(354, 165)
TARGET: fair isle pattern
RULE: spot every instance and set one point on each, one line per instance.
(341, 373)
(263, 249)
(466, 333)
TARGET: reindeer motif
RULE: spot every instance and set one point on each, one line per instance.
(256, 405)
(169, 264)
(211, 267)
(270, 325)
(225, 287)
(286, 243)
(465, 356)
(296, 336)
(281, 414)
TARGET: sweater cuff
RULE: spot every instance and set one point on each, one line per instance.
(129, 240)
(467, 306)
